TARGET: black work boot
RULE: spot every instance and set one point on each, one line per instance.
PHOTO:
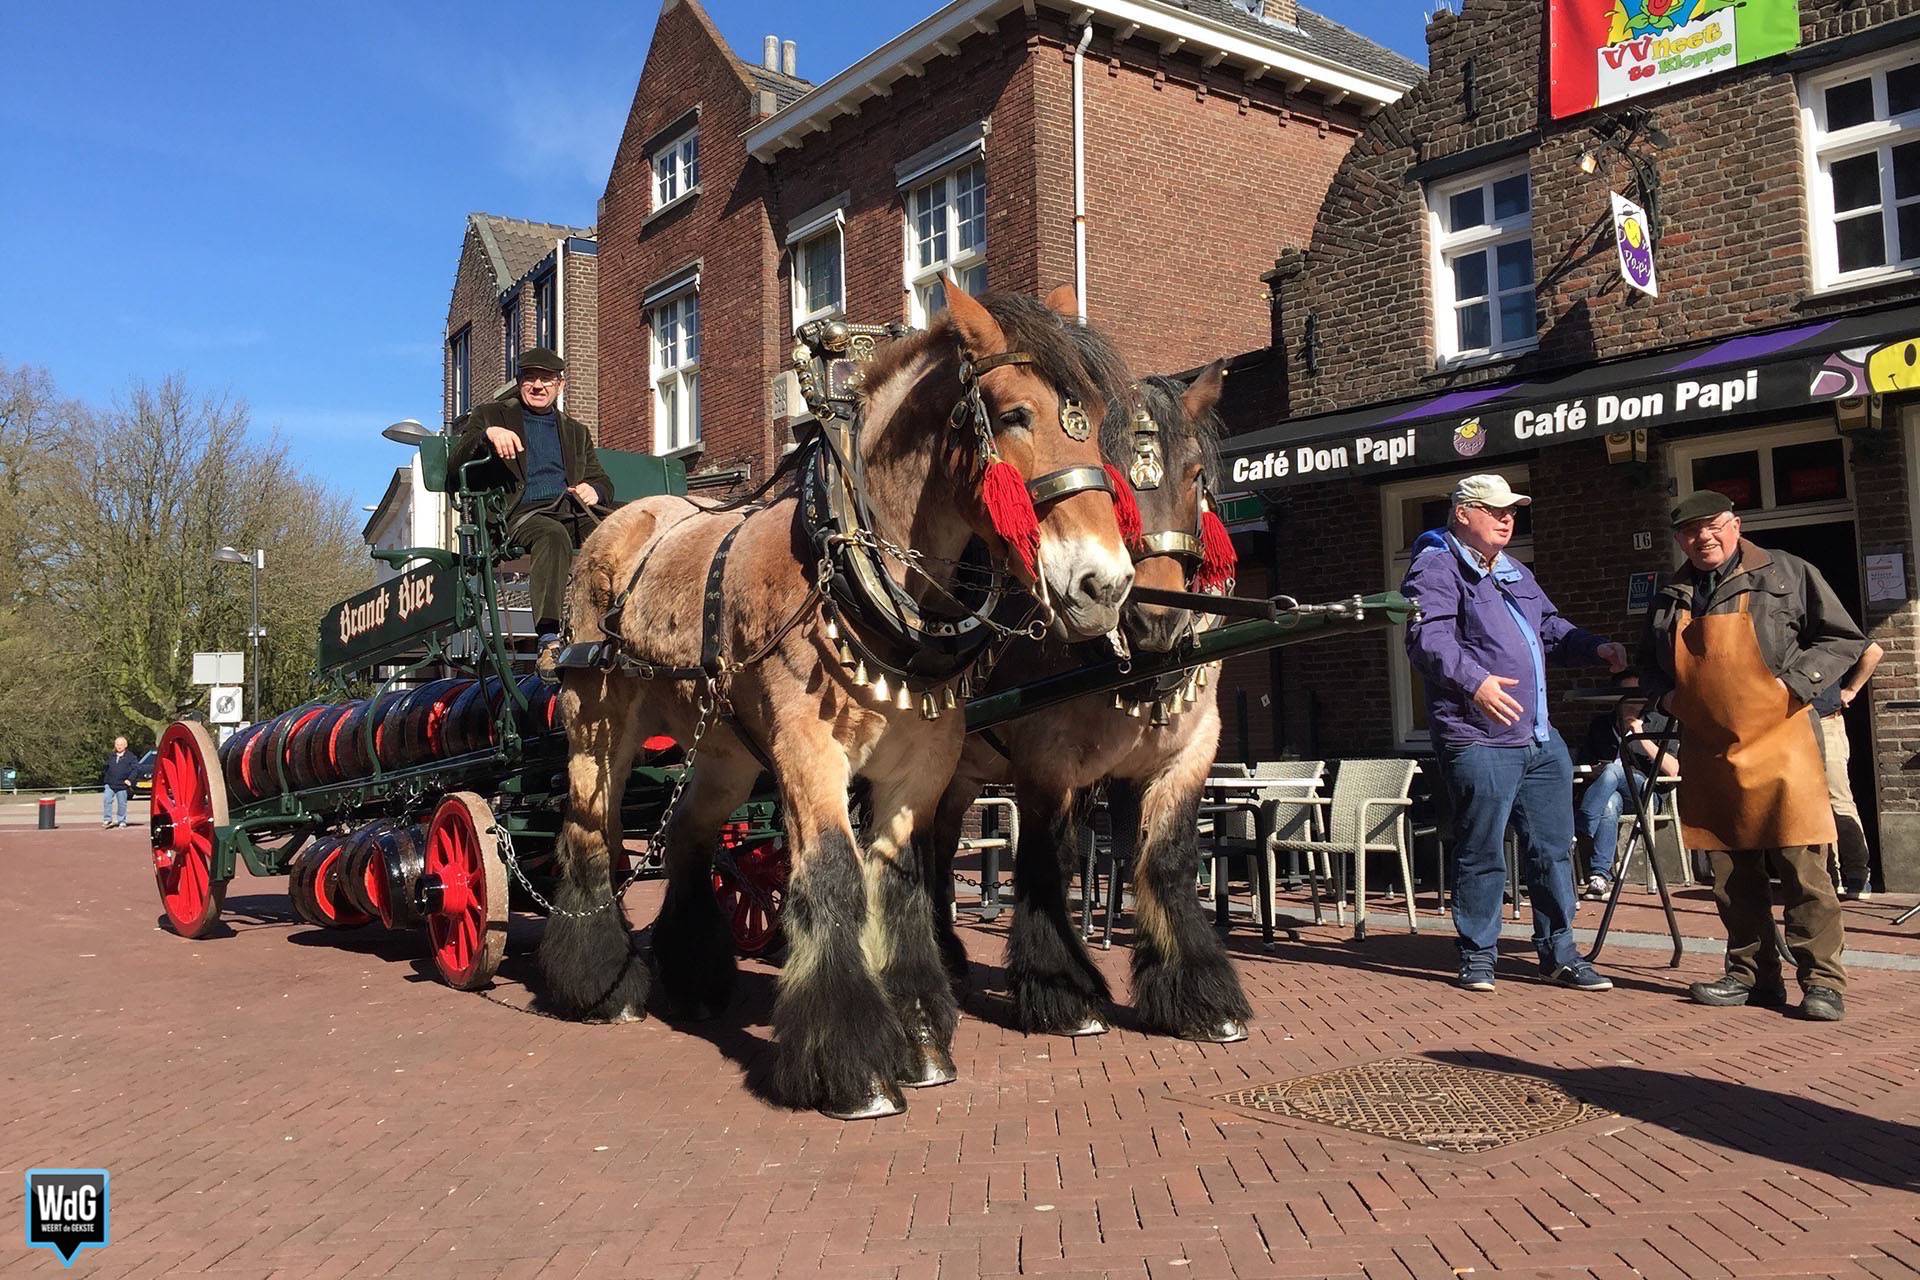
(1822, 1004)
(1728, 990)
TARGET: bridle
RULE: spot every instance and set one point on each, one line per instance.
(879, 630)
(1146, 472)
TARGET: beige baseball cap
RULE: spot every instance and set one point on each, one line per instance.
(1489, 491)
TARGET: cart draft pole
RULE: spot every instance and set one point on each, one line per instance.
(1276, 624)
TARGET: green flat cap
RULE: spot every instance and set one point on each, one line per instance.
(1702, 505)
(543, 359)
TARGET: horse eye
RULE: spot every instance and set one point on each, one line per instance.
(1021, 418)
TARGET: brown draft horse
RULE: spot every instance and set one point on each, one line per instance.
(1183, 982)
(864, 1003)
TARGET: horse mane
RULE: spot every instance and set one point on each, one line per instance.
(1082, 364)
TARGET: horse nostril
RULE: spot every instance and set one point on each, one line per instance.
(1105, 588)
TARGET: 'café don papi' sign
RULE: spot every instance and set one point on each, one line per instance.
(398, 610)
(1604, 52)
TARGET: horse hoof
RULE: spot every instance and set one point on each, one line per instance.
(1228, 1032)
(1091, 1027)
(628, 1014)
(883, 1102)
(936, 1068)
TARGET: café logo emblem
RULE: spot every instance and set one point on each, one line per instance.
(1469, 438)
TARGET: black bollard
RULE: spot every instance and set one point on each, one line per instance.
(46, 812)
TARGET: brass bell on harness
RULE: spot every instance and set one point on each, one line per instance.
(880, 689)
(1160, 717)
(860, 674)
(929, 708)
(947, 699)
(833, 629)
(1119, 703)
(905, 699)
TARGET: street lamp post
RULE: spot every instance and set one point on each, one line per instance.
(255, 560)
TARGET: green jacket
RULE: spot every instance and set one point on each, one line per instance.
(1804, 633)
(470, 442)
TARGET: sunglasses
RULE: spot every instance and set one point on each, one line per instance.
(1498, 513)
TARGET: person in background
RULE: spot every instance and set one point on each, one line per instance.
(1613, 787)
(1855, 859)
(115, 782)
(1481, 643)
(1738, 646)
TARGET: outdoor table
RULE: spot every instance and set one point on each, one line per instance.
(1241, 795)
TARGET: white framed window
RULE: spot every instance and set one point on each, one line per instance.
(1407, 510)
(1481, 231)
(676, 372)
(460, 370)
(1861, 131)
(819, 275)
(1778, 475)
(676, 168)
(510, 330)
(946, 231)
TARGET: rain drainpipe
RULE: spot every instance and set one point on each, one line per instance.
(560, 308)
(1080, 171)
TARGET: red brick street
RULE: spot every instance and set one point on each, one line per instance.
(281, 1101)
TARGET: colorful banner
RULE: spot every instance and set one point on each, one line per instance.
(1633, 234)
(1603, 51)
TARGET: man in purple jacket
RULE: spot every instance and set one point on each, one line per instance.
(1485, 633)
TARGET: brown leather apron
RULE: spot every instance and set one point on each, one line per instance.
(1751, 775)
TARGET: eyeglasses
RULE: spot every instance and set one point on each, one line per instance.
(540, 379)
(1502, 514)
(1713, 529)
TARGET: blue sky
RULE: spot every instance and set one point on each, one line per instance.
(269, 198)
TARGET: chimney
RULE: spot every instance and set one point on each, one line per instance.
(1286, 12)
(789, 59)
(770, 53)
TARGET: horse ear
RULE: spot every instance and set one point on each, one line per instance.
(1204, 392)
(979, 333)
(1064, 301)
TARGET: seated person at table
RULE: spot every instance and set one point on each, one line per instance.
(1597, 817)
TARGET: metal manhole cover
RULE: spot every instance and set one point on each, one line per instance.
(1431, 1104)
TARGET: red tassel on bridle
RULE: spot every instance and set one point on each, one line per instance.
(1218, 560)
(1126, 508)
(1003, 491)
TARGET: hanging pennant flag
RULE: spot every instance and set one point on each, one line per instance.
(1634, 236)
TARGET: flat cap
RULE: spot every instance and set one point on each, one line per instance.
(1700, 505)
(543, 359)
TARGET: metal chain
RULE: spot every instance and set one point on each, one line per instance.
(709, 703)
(1034, 629)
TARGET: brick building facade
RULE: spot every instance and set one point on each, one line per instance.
(1463, 279)
(1210, 133)
(522, 284)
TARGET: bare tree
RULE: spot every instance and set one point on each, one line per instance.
(115, 559)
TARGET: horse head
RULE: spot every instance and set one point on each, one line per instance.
(1040, 412)
(1166, 449)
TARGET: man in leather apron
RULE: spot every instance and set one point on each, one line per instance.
(1738, 646)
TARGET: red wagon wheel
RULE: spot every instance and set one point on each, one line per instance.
(752, 892)
(189, 801)
(464, 892)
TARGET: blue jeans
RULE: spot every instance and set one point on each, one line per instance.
(109, 798)
(1531, 786)
(1612, 789)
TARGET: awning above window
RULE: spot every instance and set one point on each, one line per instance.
(1778, 369)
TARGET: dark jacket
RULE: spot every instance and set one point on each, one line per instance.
(470, 442)
(118, 775)
(1602, 744)
(1467, 630)
(1804, 633)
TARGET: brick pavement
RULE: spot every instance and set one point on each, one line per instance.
(281, 1102)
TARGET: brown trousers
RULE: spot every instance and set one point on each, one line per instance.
(1745, 897)
(550, 533)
